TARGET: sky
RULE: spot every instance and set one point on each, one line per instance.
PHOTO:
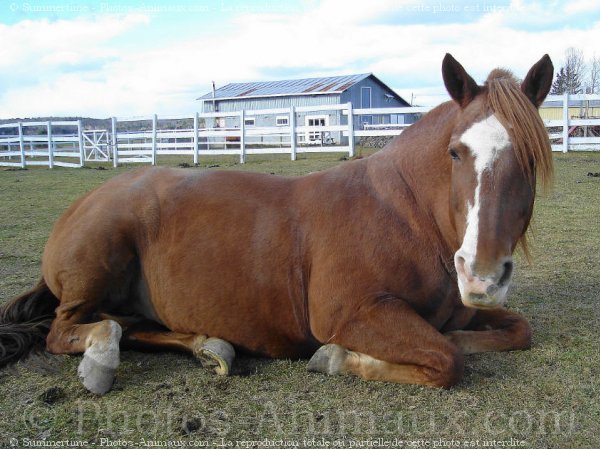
(132, 58)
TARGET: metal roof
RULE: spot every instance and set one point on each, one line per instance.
(306, 86)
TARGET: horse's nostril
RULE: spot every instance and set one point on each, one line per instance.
(462, 268)
(507, 268)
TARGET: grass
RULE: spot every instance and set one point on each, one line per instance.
(546, 397)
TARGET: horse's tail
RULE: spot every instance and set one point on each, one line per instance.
(25, 323)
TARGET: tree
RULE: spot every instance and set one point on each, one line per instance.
(560, 83)
(593, 84)
(569, 77)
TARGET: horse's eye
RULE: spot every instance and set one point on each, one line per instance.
(454, 154)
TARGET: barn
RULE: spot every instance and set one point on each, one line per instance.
(361, 90)
(553, 109)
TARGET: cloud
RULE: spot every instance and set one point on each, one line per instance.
(80, 67)
(581, 6)
(70, 41)
(49, 68)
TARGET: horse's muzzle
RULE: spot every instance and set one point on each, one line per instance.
(482, 291)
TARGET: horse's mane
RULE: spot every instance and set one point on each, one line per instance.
(524, 124)
(527, 131)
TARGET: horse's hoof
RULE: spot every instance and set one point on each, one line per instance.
(96, 377)
(329, 359)
(216, 354)
(101, 360)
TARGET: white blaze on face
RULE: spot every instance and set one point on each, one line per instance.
(485, 139)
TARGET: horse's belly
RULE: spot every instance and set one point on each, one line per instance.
(233, 273)
(259, 321)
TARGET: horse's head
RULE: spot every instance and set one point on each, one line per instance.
(498, 148)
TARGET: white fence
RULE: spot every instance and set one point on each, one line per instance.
(564, 140)
(235, 133)
(41, 149)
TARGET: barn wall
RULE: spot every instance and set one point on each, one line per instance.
(556, 113)
(268, 120)
(378, 98)
(352, 95)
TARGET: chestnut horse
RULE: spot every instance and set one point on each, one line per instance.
(390, 267)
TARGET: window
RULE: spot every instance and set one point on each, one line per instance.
(282, 120)
(396, 119)
(365, 97)
(313, 120)
(249, 121)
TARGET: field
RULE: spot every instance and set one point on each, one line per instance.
(547, 397)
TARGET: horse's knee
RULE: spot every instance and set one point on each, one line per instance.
(448, 368)
(522, 335)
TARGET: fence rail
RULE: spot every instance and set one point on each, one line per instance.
(237, 133)
(567, 139)
(28, 148)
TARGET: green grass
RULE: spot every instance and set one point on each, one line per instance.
(546, 397)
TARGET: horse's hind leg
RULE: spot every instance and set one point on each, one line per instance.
(98, 341)
(213, 353)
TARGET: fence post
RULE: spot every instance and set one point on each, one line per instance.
(114, 142)
(50, 149)
(242, 136)
(565, 122)
(196, 138)
(22, 146)
(212, 123)
(350, 130)
(81, 148)
(154, 122)
(293, 140)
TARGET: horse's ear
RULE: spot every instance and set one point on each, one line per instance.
(538, 81)
(459, 84)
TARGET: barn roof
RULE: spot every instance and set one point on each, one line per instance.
(305, 86)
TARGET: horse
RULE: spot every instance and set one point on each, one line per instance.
(391, 267)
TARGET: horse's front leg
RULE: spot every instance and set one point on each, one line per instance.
(493, 330)
(387, 340)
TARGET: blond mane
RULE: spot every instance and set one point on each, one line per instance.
(527, 131)
(524, 124)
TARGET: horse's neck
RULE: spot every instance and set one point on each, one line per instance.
(417, 164)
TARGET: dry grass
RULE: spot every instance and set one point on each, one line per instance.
(546, 397)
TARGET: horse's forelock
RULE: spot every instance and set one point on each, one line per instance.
(524, 125)
(528, 134)
(501, 74)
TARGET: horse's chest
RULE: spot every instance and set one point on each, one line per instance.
(426, 286)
